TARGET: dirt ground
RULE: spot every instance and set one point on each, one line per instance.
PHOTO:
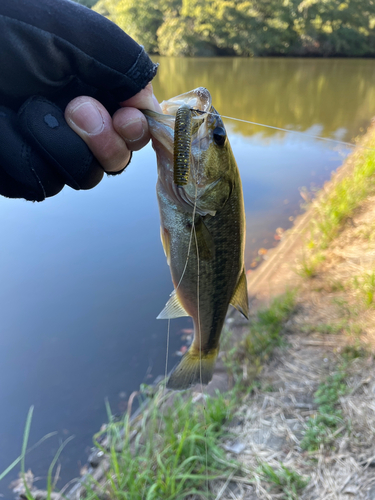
(334, 318)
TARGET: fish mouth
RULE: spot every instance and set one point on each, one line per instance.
(162, 124)
(198, 99)
(162, 127)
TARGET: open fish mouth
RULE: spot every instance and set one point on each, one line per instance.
(182, 147)
(198, 99)
(162, 126)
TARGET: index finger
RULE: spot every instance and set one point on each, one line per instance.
(145, 99)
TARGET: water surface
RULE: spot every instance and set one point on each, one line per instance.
(83, 275)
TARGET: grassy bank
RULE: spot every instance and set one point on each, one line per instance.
(244, 360)
(298, 422)
(174, 450)
(334, 208)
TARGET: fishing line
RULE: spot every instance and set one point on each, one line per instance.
(190, 241)
(312, 136)
(166, 368)
(179, 283)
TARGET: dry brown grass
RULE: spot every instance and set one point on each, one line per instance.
(333, 329)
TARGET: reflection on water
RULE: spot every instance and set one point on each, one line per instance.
(83, 275)
(338, 95)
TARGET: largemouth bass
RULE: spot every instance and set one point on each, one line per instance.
(202, 228)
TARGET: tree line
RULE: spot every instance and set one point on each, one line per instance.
(247, 28)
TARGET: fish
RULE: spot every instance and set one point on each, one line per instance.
(202, 227)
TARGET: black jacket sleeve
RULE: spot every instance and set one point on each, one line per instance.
(50, 52)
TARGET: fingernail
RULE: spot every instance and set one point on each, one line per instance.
(133, 130)
(87, 117)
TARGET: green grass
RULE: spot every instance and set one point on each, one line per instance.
(325, 328)
(309, 265)
(174, 453)
(244, 360)
(345, 196)
(288, 481)
(322, 426)
(336, 207)
(365, 285)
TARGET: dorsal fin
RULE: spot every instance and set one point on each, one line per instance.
(173, 308)
(240, 299)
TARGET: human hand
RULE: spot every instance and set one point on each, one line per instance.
(53, 53)
(112, 139)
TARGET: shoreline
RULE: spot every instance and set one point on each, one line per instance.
(272, 278)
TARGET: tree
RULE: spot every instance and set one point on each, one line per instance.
(139, 18)
(247, 27)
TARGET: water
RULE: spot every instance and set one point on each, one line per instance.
(83, 274)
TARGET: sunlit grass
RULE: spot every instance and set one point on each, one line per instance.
(321, 428)
(174, 453)
(287, 480)
(169, 453)
(174, 449)
(309, 265)
(365, 286)
(244, 361)
(336, 207)
(345, 196)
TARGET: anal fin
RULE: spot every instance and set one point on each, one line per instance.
(173, 308)
(240, 299)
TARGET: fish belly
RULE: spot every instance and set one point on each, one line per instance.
(206, 261)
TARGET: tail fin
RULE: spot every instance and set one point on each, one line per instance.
(194, 368)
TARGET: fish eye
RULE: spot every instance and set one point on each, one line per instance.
(219, 136)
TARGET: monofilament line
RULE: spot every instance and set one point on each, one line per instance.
(166, 368)
(306, 134)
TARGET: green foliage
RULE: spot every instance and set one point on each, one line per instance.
(248, 27)
(346, 195)
(322, 426)
(309, 265)
(325, 328)
(287, 480)
(244, 361)
(175, 452)
(365, 284)
(335, 208)
(139, 18)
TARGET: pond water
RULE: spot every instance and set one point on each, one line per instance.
(83, 274)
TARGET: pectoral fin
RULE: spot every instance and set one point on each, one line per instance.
(165, 239)
(240, 299)
(205, 241)
(173, 308)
